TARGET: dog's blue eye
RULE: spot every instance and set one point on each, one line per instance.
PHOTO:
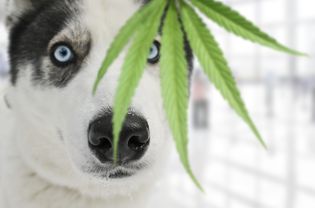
(154, 55)
(62, 55)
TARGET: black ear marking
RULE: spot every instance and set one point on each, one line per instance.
(15, 9)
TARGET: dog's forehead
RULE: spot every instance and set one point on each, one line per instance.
(107, 16)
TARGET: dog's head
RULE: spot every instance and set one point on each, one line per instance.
(63, 131)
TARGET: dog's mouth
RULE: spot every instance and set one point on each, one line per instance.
(120, 174)
(115, 172)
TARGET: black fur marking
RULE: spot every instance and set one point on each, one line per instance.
(30, 38)
(189, 55)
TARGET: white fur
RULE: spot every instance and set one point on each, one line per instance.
(39, 170)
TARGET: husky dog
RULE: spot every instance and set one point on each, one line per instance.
(57, 149)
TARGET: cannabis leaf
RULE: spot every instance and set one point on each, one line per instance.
(180, 18)
(233, 22)
(133, 67)
(174, 84)
(214, 64)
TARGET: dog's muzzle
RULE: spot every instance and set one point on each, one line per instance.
(134, 138)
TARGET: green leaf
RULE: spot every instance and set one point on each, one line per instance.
(123, 37)
(214, 64)
(234, 22)
(134, 65)
(174, 84)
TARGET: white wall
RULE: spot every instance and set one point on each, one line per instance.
(3, 37)
(2, 9)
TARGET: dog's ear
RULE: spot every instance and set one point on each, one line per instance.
(15, 8)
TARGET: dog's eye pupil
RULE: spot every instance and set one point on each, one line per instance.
(154, 55)
(63, 52)
(62, 55)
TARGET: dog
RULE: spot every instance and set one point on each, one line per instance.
(56, 135)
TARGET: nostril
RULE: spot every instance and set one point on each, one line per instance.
(102, 142)
(137, 143)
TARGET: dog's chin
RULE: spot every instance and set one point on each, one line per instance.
(109, 181)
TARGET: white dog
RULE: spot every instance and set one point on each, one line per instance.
(57, 136)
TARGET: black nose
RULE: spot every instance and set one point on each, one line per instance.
(134, 138)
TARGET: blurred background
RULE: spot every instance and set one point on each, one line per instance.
(279, 90)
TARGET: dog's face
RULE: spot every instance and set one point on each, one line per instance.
(56, 50)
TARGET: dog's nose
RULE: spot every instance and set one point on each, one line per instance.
(134, 138)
